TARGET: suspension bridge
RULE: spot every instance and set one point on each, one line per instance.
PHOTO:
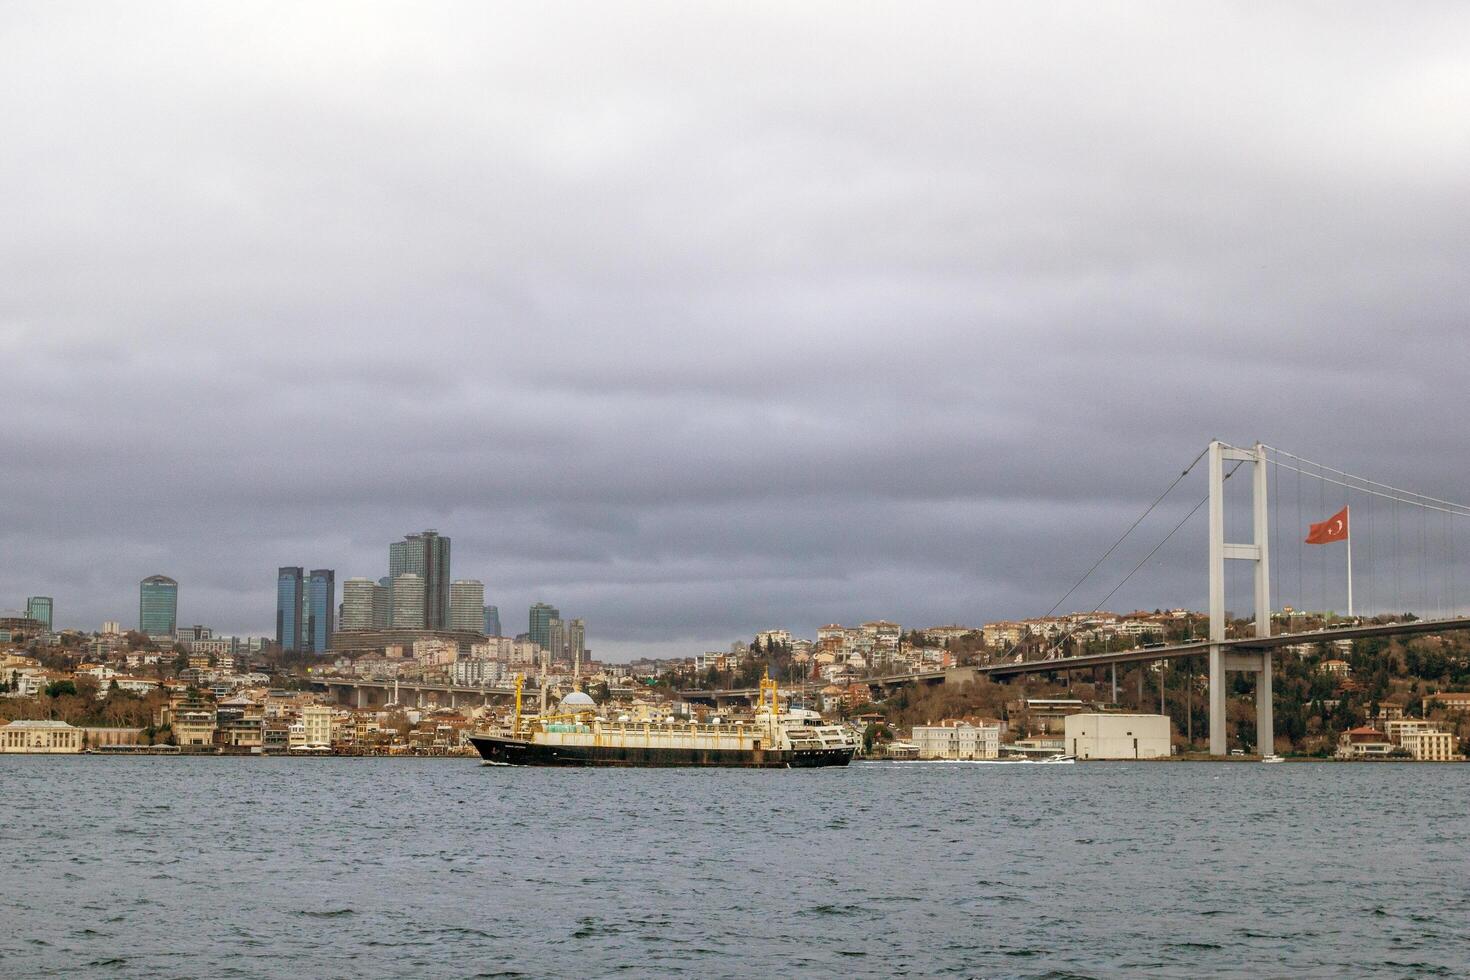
(1406, 576)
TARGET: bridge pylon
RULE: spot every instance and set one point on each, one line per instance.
(1257, 552)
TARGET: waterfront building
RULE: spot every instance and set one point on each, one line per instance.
(1109, 736)
(1430, 745)
(492, 620)
(957, 740)
(40, 736)
(289, 600)
(38, 607)
(316, 724)
(1364, 742)
(158, 606)
(467, 605)
(408, 601)
(426, 555)
(541, 616)
(321, 609)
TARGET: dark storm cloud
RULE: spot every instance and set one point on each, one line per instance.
(695, 320)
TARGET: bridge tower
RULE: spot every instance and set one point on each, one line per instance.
(1258, 552)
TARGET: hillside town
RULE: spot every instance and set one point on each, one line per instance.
(119, 691)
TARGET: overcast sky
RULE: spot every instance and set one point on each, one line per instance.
(694, 319)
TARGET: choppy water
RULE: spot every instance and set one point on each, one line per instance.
(442, 868)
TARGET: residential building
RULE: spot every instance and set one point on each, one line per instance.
(316, 722)
(321, 609)
(289, 600)
(158, 606)
(467, 605)
(38, 607)
(1430, 746)
(1364, 742)
(408, 601)
(1337, 668)
(1399, 728)
(1449, 700)
(426, 555)
(957, 740)
(1108, 736)
(540, 628)
(492, 621)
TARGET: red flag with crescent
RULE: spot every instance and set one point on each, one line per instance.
(1335, 528)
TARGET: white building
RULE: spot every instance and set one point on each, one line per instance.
(1430, 746)
(957, 740)
(40, 736)
(316, 725)
(1106, 736)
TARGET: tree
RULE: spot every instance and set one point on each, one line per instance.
(58, 688)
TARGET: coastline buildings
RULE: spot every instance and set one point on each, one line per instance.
(426, 555)
(158, 606)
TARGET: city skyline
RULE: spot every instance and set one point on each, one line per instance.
(691, 355)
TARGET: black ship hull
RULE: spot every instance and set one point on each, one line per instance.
(519, 752)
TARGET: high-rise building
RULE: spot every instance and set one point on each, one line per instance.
(577, 641)
(290, 598)
(321, 609)
(383, 604)
(556, 639)
(158, 606)
(426, 555)
(408, 601)
(364, 605)
(467, 605)
(541, 616)
(492, 620)
(38, 607)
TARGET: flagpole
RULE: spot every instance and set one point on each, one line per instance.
(1350, 560)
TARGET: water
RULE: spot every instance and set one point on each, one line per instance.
(175, 867)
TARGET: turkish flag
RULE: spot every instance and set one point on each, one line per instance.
(1335, 528)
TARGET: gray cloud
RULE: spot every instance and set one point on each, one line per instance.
(695, 320)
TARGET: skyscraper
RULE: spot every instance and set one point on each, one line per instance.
(364, 605)
(383, 604)
(577, 641)
(321, 609)
(158, 606)
(556, 639)
(541, 616)
(492, 620)
(426, 555)
(408, 601)
(467, 605)
(289, 600)
(38, 607)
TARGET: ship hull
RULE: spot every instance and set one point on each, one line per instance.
(520, 752)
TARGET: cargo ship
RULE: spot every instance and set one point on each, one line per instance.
(575, 735)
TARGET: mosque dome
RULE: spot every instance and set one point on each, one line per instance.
(577, 701)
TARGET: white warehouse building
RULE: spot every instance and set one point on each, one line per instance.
(1109, 736)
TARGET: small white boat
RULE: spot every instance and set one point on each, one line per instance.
(1273, 757)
